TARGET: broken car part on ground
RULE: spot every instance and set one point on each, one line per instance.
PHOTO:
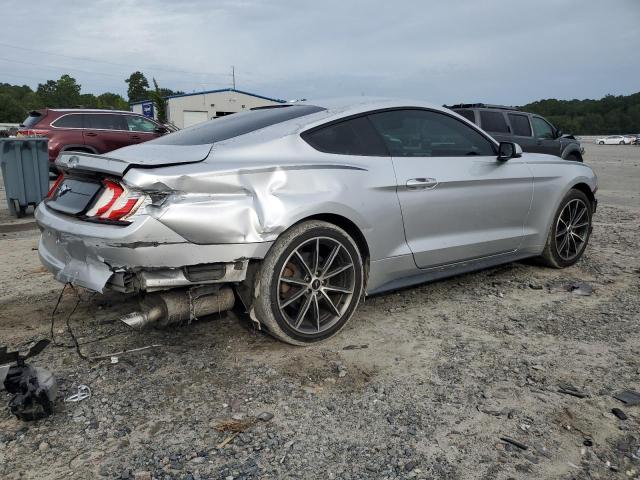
(33, 388)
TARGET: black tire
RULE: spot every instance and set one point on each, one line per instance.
(576, 231)
(286, 272)
(621, 143)
(574, 157)
(600, 143)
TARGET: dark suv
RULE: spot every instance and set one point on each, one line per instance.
(91, 131)
(532, 132)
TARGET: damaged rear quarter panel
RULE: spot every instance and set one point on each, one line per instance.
(253, 191)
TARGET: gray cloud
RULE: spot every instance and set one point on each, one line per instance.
(460, 50)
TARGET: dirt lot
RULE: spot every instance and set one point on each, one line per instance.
(422, 383)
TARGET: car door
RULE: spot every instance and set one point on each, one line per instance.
(106, 131)
(545, 140)
(141, 129)
(522, 131)
(66, 133)
(458, 201)
(495, 124)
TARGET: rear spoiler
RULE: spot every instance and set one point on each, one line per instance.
(70, 161)
(142, 155)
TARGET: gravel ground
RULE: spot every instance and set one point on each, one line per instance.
(421, 384)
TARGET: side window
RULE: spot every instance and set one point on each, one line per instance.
(139, 124)
(422, 133)
(468, 114)
(542, 128)
(105, 121)
(351, 137)
(493, 121)
(520, 124)
(69, 121)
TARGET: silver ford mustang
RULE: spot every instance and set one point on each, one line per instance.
(299, 210)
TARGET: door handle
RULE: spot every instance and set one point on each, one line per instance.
(421, 183)
(135, 137)
(91, 134)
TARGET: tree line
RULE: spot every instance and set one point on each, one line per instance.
(608, 115)
(16, 101)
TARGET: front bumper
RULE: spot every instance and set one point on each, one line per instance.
(146, 255)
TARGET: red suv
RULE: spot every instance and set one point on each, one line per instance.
(91, 131)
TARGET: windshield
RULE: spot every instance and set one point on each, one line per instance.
(230, 126)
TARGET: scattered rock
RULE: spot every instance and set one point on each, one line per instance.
(264, 416)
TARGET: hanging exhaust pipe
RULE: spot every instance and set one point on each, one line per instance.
(180, 306)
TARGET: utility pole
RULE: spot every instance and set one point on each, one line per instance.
(233, 75)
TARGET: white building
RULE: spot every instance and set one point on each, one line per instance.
(191, 108)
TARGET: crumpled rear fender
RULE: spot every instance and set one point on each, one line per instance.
(252, 204)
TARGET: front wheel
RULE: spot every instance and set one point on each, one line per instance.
(600, 143)
(569, 232)
(621, 143)
(309, 284)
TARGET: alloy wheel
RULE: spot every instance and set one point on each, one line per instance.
(572, 229)
(316, 285)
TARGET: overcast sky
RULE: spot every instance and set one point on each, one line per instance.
(445, 51)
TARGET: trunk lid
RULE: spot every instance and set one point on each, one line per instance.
(145, 155)
(85, 174)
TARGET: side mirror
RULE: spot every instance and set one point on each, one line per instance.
(508, 150)
(559, 133)
(160, 130)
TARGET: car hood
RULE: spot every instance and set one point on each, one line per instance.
(144, 155)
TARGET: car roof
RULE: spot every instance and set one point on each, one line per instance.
(482, 105)
(343, 107)
(90, 110)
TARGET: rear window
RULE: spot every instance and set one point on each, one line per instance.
(230, 126)
(73, 120)
(520, 125)
(351, 137)
(493, 121)
(468, 114)
(32, 119)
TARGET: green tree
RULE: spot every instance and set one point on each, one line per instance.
(61, 93)
(137, 87)
(10, 109)
(159, 102)
(112, 100)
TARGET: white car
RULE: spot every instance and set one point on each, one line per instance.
(613, 140)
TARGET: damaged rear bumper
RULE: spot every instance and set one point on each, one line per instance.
(146, 255)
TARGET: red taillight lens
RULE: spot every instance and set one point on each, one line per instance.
(124, 210)
(109, 197)
(55, 186)
(115, 203)
(32, 132)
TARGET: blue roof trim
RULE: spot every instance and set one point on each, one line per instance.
(226, 90)
(214, 91)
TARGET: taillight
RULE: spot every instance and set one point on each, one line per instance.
(55, 186)
(32, 133)
(116, 203)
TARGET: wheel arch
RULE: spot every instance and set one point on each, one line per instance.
(584, 188)
(78, 148)
(348, 226)
(572, 150)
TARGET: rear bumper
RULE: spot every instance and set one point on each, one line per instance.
(145, 255)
